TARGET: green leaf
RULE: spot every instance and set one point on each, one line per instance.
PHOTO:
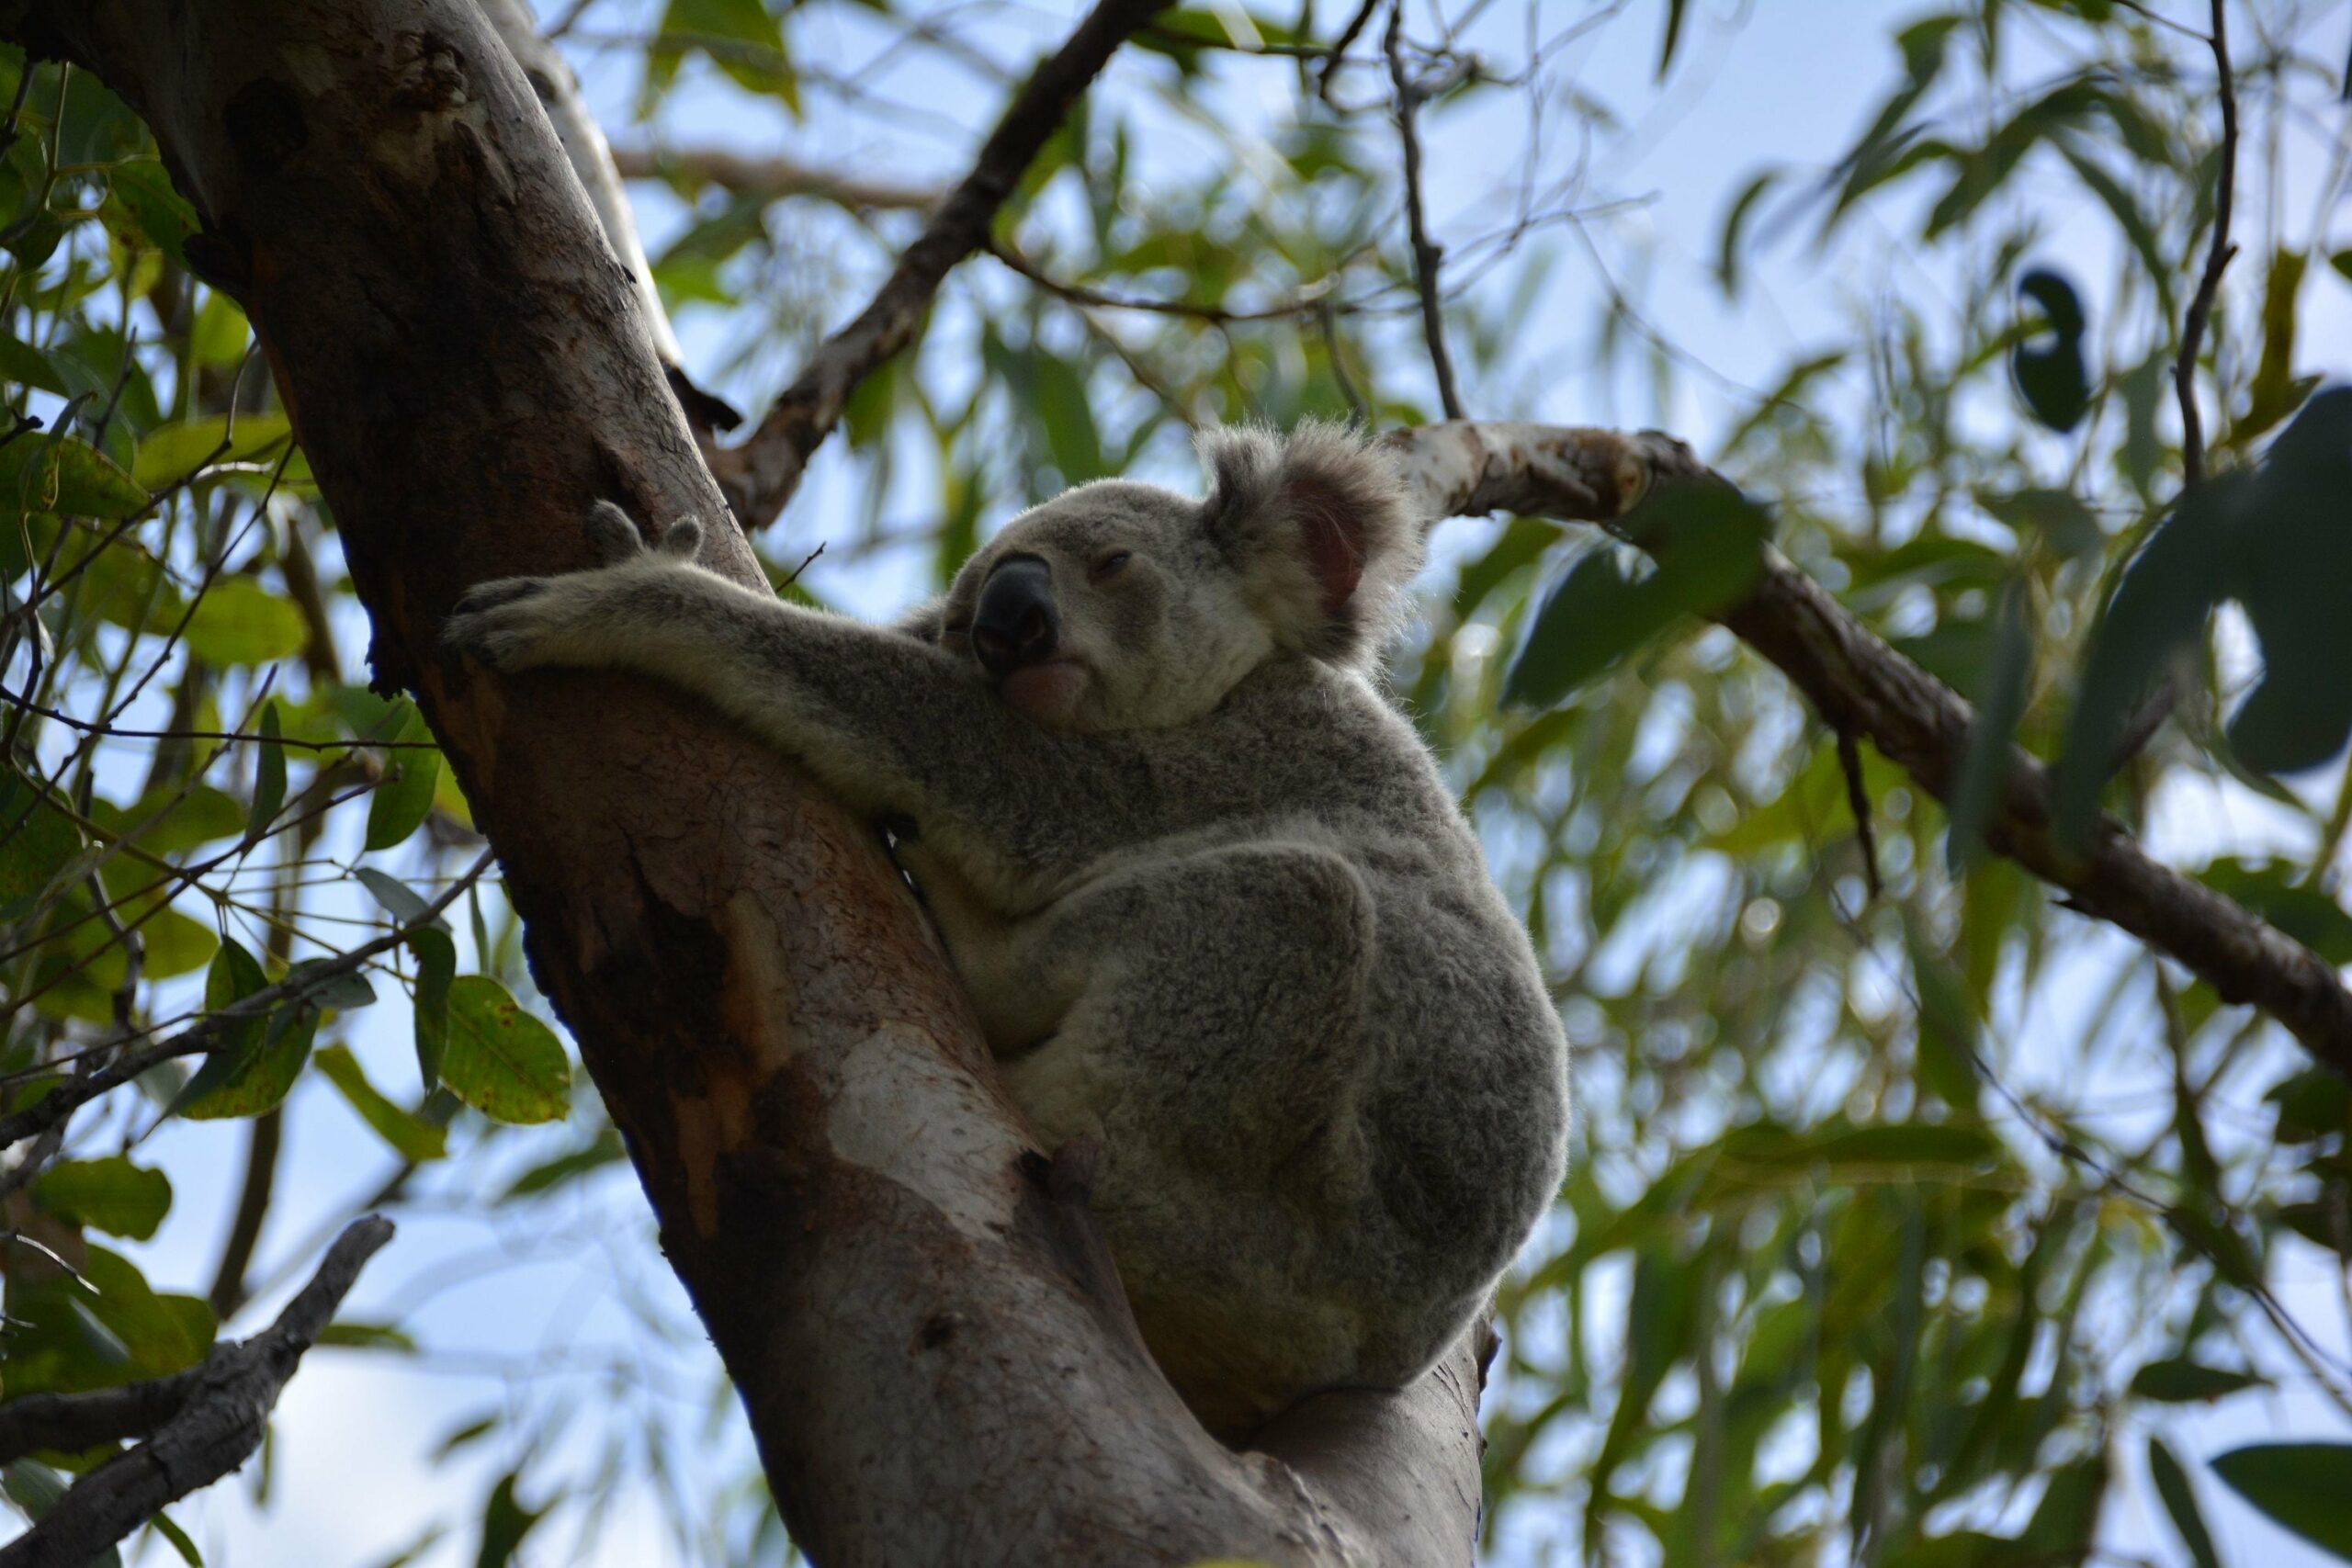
(1674, 18)
(2049, 375)
(737, 36)
(2277, 893)
(1986, 767)
(269, 776)
(71, 478)
(162, 1525)
(1063, 410)
(2183, 1382)
(398, 899)
(2292, 549)
(499, 1059)
(1742, 207)
(2312, 1104)
(411, 1137)
(2299, 1486)
(2275, 393)
(2159, 607)
(1709, 542)
(2180, 1503)
(172, 817)
(240, 622)
(504, 1523)
(604, 1149)
(37, 841)
(111, 1195)
(172, 454)
(143, 192)
(367, 1336)
(256, 1059)
(2066, 1519)
(436, 963)
(404, 799)
(248, 1086)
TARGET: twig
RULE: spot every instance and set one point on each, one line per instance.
(1858, 800)
(112, 732)
(1315, 296)
(760, 475)
(2217, 258)
(213, 1419)
(1338, 55)
(1427, 254)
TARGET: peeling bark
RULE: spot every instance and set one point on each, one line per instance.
(931, 1344)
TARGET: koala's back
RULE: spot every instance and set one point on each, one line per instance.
(1316, 1048)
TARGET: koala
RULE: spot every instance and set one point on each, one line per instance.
(1215, 906)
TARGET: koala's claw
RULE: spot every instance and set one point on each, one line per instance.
(490, 595)
(612, 537)
(615, 541)
(683, 539)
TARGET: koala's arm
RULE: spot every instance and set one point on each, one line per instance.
(887, 721)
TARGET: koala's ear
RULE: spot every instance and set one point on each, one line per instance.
(1316, 524)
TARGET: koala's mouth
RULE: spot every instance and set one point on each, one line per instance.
(1047, 692)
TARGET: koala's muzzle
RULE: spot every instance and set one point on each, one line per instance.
(1016, 623)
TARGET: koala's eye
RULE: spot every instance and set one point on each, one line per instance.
(1110, 566)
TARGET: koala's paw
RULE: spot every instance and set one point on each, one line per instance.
(506, 624)
(515, 623)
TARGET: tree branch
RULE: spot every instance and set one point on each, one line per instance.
(760, 475)
(770, 176)
(1860, 684)
(213, 1419)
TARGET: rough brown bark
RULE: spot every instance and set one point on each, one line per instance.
(1862, 686)
(932, 1349)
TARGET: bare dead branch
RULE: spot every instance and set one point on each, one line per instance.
(71, 1422)
(771, 177)
(212, 1419)
(1862, 685)
(760, 475)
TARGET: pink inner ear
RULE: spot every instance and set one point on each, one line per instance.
(1328, 530)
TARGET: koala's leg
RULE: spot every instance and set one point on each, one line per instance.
(1217, 1050)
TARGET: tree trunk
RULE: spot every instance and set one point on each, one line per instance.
(931, 1346)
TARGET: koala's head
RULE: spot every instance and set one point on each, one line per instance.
(1122, 607)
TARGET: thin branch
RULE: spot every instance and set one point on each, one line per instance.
(770, 177)
(1311, 298)
(760, 475)
(1862, 685)
(2217, 258)
(218, 1414)
(1427, 254)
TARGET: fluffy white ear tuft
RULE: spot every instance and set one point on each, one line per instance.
(1316, 524)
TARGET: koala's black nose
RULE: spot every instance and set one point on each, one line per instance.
(1016, 623)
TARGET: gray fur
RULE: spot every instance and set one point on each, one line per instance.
(1214, 906)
